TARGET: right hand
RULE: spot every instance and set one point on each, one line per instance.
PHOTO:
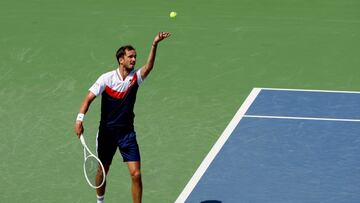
(79, 129)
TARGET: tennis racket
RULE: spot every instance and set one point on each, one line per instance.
(92, 166)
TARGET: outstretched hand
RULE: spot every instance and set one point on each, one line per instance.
(160, 36)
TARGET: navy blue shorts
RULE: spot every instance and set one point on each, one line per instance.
(108, 140)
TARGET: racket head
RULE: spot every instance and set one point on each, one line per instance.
(92, 167)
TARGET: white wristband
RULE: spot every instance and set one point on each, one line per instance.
(80, 117)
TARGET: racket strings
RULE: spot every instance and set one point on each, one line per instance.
(92, 167)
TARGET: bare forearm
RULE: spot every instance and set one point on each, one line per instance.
(151, 60)
(84, 106)
(145, 70)
(86, 103)
(79, 129)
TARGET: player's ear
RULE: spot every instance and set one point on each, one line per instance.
(121, 60)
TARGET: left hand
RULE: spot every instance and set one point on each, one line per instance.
(160, 36)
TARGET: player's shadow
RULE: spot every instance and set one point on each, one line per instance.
(211, 201)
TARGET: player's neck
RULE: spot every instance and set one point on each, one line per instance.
(124, 72)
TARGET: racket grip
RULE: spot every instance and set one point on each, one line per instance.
(82, 140)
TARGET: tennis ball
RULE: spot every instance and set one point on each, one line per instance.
(173, 14)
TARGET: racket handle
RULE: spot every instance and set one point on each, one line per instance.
(82, 140)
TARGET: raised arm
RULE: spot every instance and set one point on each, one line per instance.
(145, 70)
(79, 129)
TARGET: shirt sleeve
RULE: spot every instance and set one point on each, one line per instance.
(98, 87)
(140, 80)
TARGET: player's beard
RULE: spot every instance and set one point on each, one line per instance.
(130, 66)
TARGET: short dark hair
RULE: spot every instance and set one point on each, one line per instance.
(121, 51)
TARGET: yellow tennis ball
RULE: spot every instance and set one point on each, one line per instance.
(173, 14)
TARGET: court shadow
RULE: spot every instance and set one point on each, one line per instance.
(211, 201)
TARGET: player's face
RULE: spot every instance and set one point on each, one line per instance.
(129, 59)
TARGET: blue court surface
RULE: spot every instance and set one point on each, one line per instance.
(284, 146)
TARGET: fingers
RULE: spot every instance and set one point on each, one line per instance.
(80, 133)
(164, 34)
(79, 129)
(160, 36)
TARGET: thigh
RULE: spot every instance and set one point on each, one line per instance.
(129, 147)
(106, 147)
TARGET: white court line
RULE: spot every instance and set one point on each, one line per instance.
(217, 146)
(303, 118)
(310, 90)
(231, 126)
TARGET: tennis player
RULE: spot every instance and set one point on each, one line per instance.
(118, 89)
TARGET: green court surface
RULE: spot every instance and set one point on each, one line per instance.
(53, 51)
